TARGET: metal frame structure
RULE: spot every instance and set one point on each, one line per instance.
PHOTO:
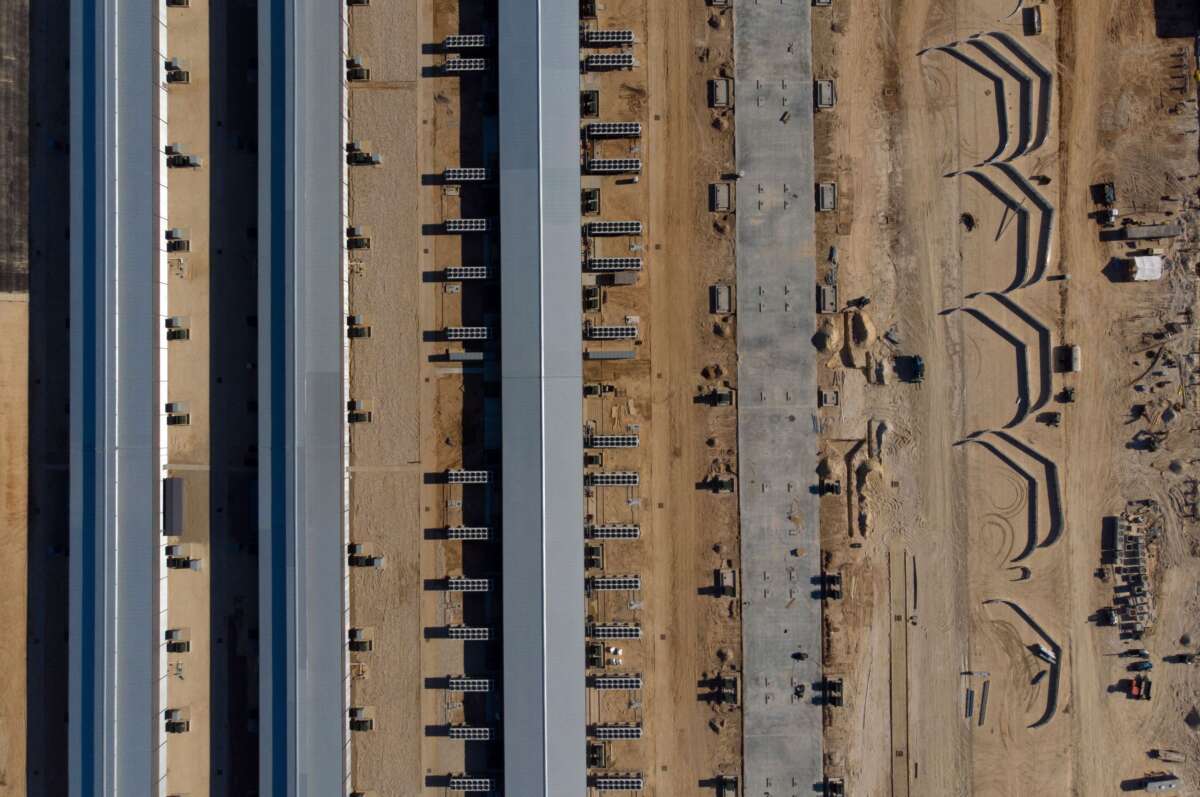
(117, 684)
(302, 531)
(541, 378)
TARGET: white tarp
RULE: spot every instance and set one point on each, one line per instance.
(1145, 267)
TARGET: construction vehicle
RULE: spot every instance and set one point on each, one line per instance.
(1043, 653)
(1052, 419)
(1135, 653)
(1160, 781)
(1139, 688)
(1167, 755)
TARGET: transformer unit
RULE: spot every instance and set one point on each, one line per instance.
(614, 264)
(605, 61)
(477, 533)
(595, 228)
(618, 478)
(362, 718)
(175, 72)
(615, 631)
(357, 238)
(460, 476)
(607, 38)
(360, 640)
(614, 129)
(460, 584)
(358, 154)
(176, 720)
(466, 225)
(626, 781)
(356, 70)
(464, 41)
(177, 641)
(470, 783)
(177, 240)
(614, 583)
(465, 174)
(470, 733)
(461, 683)
(610, 331)
(469, 633)
(178, 160)
(612, 531)
(459, 65)
(617, 731)
(613, 682)
(466, 333)
(614, 165)
(612, 441)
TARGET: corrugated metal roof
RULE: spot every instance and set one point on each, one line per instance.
(544, 709)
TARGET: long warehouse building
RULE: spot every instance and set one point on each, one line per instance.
(541, 399)
(117, 665)
(302, 532)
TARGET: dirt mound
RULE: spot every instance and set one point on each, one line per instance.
(828, 338)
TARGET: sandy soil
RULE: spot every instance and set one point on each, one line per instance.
(189, 447)
(14, 453)
(686, 533)
(903, 125)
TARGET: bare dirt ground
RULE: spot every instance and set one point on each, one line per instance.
(386, 454)
(14, 454)
(189, 447)
(973, 515)
(14, 390)
(688, 637)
